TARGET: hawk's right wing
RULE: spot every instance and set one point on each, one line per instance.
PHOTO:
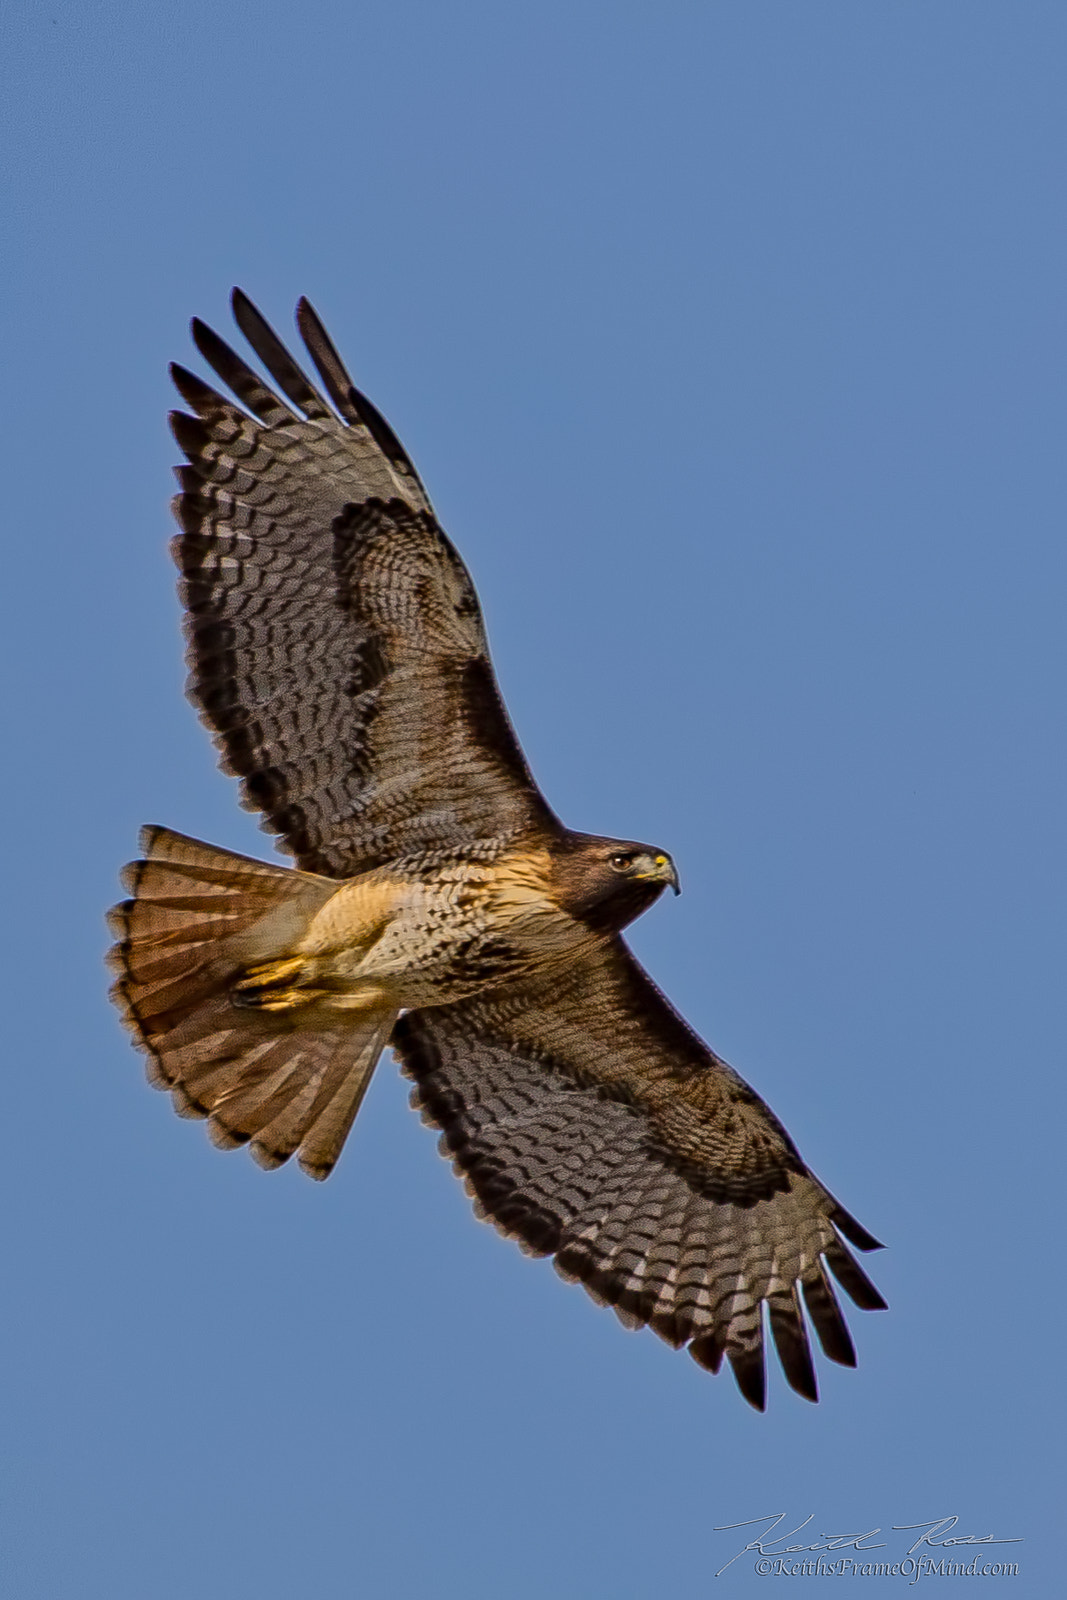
(590, 1123)
(336, 646)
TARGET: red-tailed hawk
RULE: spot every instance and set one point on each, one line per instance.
(337, 653)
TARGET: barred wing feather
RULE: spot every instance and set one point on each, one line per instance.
(590, 1123)
(335, 643)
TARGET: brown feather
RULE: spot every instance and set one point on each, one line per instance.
(590, 1122)
(321, 595)
(198, 918)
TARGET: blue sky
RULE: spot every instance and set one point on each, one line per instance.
(729, 340)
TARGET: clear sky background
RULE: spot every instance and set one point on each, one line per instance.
(729, 339)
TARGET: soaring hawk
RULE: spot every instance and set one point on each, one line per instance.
(337, 653)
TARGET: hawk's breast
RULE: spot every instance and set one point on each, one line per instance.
(433, 930)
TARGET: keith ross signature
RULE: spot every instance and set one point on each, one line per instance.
(934, 1535)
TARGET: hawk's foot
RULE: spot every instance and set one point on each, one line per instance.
(273, 986)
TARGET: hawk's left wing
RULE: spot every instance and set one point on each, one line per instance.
(590, 1123)
(336, 645)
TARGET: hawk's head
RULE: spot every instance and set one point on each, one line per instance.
(606, 883)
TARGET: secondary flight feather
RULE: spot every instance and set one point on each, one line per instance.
(337, 653)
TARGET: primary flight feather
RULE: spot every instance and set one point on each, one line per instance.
(337, 653)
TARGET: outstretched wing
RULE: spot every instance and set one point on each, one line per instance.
(590, 1123)
(336, 647)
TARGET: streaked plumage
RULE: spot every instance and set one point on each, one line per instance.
(337, 653)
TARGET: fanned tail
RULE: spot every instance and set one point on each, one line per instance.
(199, 918)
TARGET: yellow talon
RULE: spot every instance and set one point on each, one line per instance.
(273, 986)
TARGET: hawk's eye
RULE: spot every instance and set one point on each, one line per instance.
(621, 862)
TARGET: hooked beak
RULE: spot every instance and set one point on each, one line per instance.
(664, 871)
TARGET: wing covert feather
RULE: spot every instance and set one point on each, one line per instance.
(591, 1123)
(335, 643)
